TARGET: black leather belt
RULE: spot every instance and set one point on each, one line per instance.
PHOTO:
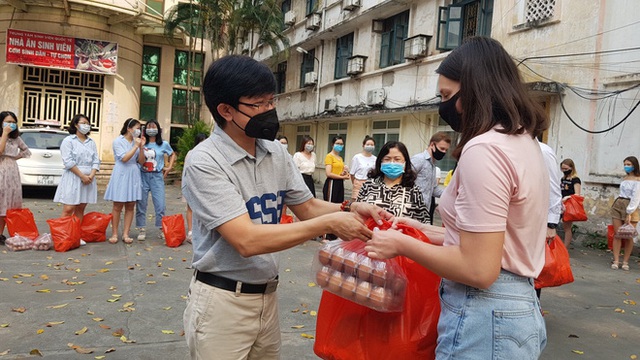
(236, 286)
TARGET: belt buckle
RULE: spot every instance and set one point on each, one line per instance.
(272, 285)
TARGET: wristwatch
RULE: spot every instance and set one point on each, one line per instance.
(552, 225)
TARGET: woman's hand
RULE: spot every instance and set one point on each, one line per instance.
(385, 244)
(86, 179)
(165, 171)
(406, 221)
(628, 220)
(366, 211)
(6, 131)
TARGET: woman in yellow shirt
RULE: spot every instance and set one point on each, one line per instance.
(337, 172)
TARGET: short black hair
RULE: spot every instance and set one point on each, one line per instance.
(232, 77)
(367, 138)
(15, 133)
(408, 177)
(128, 124)
(336, 138)
(158, 137)
(73, 125)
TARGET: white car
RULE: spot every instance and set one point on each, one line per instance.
(44, 167)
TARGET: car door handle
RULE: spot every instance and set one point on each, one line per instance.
(47, 155)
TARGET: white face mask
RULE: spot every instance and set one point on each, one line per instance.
(84, 128)
(309, 148)
(369, 148)
(152, 132)
(136, 133)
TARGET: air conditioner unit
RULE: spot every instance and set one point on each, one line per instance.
(350, 4)
(375, 97)
(310, 78)
(331, 104)
(416, 46)
(355, 64)
(290, 18)
(313, 22)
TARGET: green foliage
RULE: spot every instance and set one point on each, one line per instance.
(187, 140)
(594, 241)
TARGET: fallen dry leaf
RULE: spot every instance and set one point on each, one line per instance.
(81, 331)
(80, 350)
(57, 306)
(577, 352)
(574, 336)
(35, 352)
(43, 291)
(113, 300)
(150, 282)
(105, 326)
(90, 312)
(295, 310)
(614, 335)
(166, 308)
(618, 310)
(97, 319)
(118, 332)
(313, 313)
(25, 275)
(103, 270)
(108, 263)
(40, 331)
(633, 357)
(307, 336)
(168, 332)
(110, 350)
(4, 325)
(297, 326)
(128, 304)
(5, 352)
(44, 277)
(52, 323)
(19, 310)
(99, 357)
(629, 302)
(125, 340)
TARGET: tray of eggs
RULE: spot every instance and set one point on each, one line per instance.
(343, 269)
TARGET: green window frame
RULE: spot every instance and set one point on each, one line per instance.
(337, 129)
(302, 130)
(157, 5)
(148, 102)
(285, 7)
(308, 64)
(344, 50)
(395, 30)
(151, 56)
(461, 20)
(383, 131)
(182, 69)
(179, 104)
(281, 77)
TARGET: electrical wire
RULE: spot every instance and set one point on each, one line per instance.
(597, 131)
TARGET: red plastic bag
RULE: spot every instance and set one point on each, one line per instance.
(574, 209)
(286, 219)
(65, 233)
(21, 222)
(346, 330)
(94, 226)
(610, 234)
(173, 229)
(557, 269)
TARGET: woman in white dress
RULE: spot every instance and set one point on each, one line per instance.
(305, 160)
(361, 164)
(78, 186)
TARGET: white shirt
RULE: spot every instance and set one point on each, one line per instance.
(630, 189)
(360, 166)
(555, 194)
(306, 166)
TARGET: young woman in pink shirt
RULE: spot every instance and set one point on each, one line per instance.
(494, 211)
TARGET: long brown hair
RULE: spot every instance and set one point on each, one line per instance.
(491, 92)
(636, 168)
(570, 164)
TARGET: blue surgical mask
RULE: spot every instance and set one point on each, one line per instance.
(392, 170)
(628, 169)
(13, 126)
(338, 147)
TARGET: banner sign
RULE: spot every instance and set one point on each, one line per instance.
(61, 52)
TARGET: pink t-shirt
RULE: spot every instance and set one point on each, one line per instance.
(501, 184)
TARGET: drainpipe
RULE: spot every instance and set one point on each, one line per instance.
(320, 61)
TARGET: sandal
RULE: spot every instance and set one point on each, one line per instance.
(625, 266)
(127, 240)
(113, 239)
(614, 265)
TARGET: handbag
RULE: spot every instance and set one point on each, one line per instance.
(574, 209)
(557, 268)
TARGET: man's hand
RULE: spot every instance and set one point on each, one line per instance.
(551, 233)
(366, 211)
(348, 226)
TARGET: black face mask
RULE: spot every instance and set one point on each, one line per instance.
(437, 154)
(262, 126)
(567, 172)
(449, 114)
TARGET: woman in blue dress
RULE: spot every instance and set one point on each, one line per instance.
(124, 185)
(77, 186)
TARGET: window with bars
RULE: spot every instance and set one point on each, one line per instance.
(344, 50)
(58, 95)
(337, 129)
(539, 10)
(151, 63)
(383, 131)
(187, 79)
(395, 30)
(179, 104)
(308, 62)
(461, 20)
(281, 77)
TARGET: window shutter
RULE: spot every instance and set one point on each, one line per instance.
(385, 49)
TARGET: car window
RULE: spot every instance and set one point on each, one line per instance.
(43, 140)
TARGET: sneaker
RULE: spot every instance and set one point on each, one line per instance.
(142, 234)
(82, 242)
(190, 237)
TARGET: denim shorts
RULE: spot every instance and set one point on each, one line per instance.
(502, 322)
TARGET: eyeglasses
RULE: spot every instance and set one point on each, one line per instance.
(260, 105)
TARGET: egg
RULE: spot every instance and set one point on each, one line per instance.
(350, 262)
(364, 268)
(322, 276)
(362, 293)
(335, 283)
(348, 288)
(324, 255)
(337, 259)
(398, 285)
(379, 273)
(381, 298)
